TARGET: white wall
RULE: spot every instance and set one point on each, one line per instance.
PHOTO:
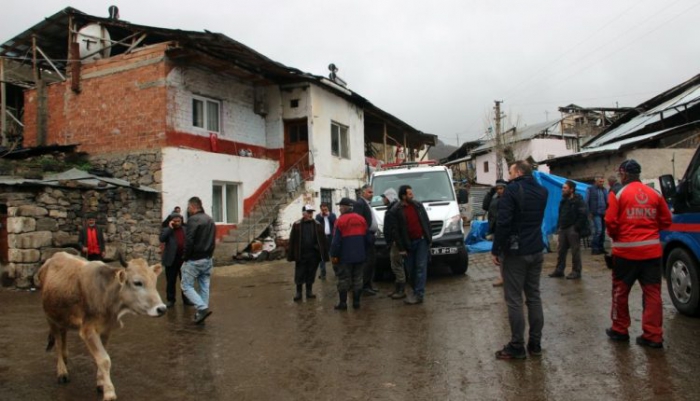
(326, 108)
(238, 122)
(188, 173)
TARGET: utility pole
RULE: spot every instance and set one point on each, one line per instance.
(500, 146)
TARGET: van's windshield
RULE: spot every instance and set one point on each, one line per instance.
(428, 186)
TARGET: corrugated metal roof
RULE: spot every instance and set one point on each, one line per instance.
(550, 128)
(85, 179)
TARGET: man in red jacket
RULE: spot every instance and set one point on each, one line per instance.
(635, 215)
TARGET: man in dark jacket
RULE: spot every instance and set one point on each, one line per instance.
(363, 208)
(572, 225)
(350, 241)
(518, 246)
(412, 235)
(173, 240)
(390, 199)
(597, 202)
(91, 239)
(490, 204)
(307, 247)
(327, 219)
(200, 241)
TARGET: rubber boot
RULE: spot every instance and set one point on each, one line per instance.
(297, 296)
(343, 301)
(356, 299)
(396, 289)
(309, 291)
(400, 291)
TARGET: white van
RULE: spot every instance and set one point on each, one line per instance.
(432, 185)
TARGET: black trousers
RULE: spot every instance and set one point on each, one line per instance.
(94, 256)
(370, 263)
(172, 273)
(305, 269)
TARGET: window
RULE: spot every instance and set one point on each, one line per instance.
(327, 197)
(205, 113)
(339, 141)
(486, 167)
(225, 203)
(298, 133)
(294, 103)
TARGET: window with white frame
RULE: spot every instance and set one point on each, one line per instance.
(339, 141)
(225, 202)
(205, 113)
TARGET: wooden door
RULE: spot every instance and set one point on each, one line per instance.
(296, 144)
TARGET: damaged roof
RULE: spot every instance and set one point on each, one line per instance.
(232, 56)
(547, 128)
(75, 178)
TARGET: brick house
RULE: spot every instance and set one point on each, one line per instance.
(254, 139)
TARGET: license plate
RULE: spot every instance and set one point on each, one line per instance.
(443, 251)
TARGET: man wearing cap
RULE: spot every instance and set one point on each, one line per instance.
(91, 239)
(634, 218)
(597, 202)
(348, 253)
(390, 200)
(307, 248)
(327, 219)
(363, 208)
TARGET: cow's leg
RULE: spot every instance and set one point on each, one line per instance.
(100, 378)
(59, 336)
(97, 350)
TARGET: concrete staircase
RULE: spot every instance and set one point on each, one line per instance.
(279, 194)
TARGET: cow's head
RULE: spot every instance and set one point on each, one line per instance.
(139, 293)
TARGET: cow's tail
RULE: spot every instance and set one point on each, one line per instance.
(50, 342)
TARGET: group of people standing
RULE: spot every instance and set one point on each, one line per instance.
(348, 243)
(633, 213)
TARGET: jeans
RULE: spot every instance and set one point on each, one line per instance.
(417, 265)
(569, 239)
(521, 273)
(200, 271)
(598, 233)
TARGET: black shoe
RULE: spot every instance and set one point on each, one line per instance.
(297, 297)
(534, 349)
(616, 336)
(648, 343)
(170, 304)
(556, 274)
(341, 306)
(511, 352)
(200, 315)
(413, 300)
(369, 291)
(400, 292)
(573, 276)
(310, 295)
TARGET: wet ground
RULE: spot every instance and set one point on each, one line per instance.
(259, 345)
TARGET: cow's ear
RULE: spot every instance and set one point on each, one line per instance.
(121, 276)
(157, 268)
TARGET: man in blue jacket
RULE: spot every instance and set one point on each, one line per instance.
(518, 247)
(597, 202)
(348, 253)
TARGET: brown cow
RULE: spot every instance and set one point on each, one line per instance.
(91, 297)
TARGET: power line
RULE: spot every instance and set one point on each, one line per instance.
(609, 43)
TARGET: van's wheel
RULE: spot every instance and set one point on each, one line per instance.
(682, 280)
(461, 263)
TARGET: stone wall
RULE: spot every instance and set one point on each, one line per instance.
(137, 167)
(44, 220)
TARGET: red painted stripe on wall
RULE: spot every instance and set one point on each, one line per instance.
(223, 146)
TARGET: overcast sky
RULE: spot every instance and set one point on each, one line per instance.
(439, 65)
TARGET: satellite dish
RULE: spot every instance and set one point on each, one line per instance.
(93, 40)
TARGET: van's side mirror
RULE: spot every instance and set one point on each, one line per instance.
(668, 187)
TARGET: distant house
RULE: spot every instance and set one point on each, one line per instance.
(662, 134)
(534, 142)
(253, 138)
(587, 122)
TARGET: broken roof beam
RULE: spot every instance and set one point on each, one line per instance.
(114, 43)
(48, 60)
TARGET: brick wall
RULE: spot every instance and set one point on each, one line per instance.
(121, 106)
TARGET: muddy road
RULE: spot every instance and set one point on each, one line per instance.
(259, 345)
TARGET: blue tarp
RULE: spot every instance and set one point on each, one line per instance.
(553, 183)
(476, 241)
